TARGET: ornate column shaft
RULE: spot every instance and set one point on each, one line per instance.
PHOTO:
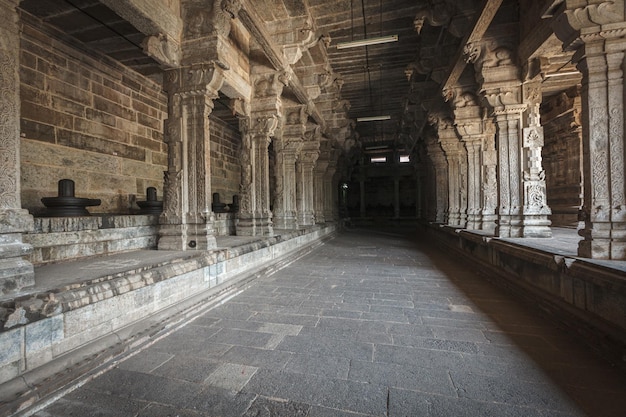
(330, 192)
(440, 165)
(287, 148)
(396, 197)
(489, 178)
(187, 219)
(320, 189)
(596, 31)
(469, 125)
(304, 169)
(15, 272)
(536, 211)
(255, 219)
(456, 157)
(498, 77)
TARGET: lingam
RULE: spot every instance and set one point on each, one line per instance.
(65, 204)
(151, 205)
(217, 206)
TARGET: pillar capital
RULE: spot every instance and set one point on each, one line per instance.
(576, 22)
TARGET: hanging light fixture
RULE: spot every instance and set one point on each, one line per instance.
(367, 42)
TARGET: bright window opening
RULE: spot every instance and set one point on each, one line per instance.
(378, 159)
(404, 159)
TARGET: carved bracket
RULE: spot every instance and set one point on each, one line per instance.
(163, 50)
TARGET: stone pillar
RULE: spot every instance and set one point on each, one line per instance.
(15, 272)
(456, 158)
(596, 31)
(284, 212)
(522, 208)
(362, 211)
(331, 203)
(489, 178)
(187, 220)
(396, 197)
(304, 169)
(536, 211)
(287, 148)
(440, 165)
(470, 127)
(320, 189)
(255, 217)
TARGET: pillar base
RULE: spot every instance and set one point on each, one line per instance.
(287, 221)
(251, 225)
(537, 226)
(186, 237)
(603, 241)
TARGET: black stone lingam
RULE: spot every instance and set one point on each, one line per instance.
(234, 207)
(151, 205)
(65, 204)
(217, 206)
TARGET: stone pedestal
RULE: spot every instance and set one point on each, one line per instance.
(15, 272)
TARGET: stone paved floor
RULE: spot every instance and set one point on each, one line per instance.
(367, 324)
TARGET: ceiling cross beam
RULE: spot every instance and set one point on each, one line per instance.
(488, 10)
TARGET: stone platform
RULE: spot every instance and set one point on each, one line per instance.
(84, 312)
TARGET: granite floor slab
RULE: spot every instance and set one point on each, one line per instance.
(368, 324)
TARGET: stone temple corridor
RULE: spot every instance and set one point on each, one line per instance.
(371, 323)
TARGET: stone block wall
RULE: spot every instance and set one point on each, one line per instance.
(225, 160)
(562, 157)
(87, 118)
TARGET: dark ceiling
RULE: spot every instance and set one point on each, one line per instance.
(375, 78)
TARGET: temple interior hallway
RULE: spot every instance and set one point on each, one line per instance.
(370, 323)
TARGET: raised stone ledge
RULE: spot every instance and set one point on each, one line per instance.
(59, 239)
(586, 295)
(60, 333)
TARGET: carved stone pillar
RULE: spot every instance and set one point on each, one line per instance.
(330, 192)
(255, 217)
(489, 178)
(287, 148)
(15, 272)
(536, 211)
(522, 208)
(440, 165)
(596, 31)
(187, 219)
(320, 189)
(470, 127)
(304, 170)
(396, 197)
(362, 210)
(456, 157)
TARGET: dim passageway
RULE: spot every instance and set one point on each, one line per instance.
(368, 324)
